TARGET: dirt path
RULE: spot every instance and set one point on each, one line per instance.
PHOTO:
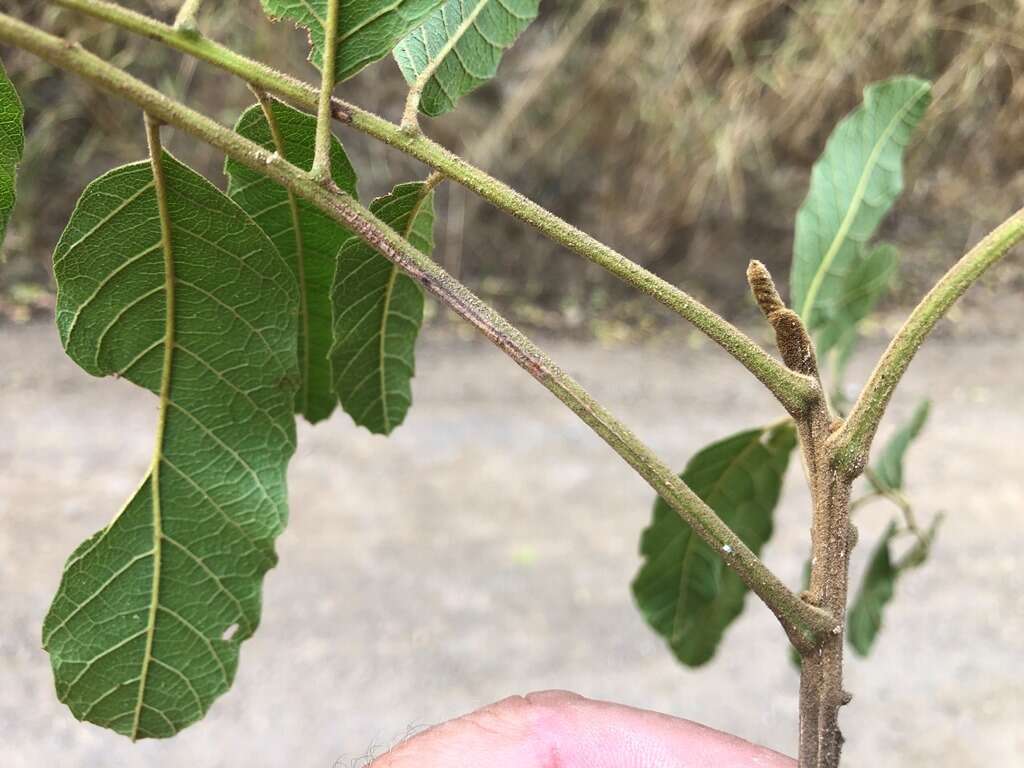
(486, 550)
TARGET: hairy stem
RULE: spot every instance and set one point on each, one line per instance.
(832, 537)
(321, 170)
(792, 389)
(788, 607)
(852, 442)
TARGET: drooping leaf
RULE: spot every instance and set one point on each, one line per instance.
(889, 467)
(307, 238)
(12, 142)
(859, 292)
(145, 629)
(377, 315)
(853, 185)
(683, 588)
(864, 618)
(461, 44)
(367, 29)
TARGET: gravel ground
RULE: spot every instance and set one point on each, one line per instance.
(486, 549)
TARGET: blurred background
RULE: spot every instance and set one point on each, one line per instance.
(683, 138)
(486, 549)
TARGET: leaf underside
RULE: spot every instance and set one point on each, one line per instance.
(12, 143)
(306, 237)
(367, 29)
(463, 41)
(683, 588)
(378, 311)
(145, 629)
(853, 185)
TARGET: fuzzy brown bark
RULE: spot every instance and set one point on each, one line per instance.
(832, 538)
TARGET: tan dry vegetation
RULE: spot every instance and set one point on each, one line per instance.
(681, 133)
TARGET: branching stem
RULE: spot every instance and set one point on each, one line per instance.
(792, 389)
(795, 614)
(852, 442)
(832, 538)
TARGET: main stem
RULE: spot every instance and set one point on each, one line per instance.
(789, 387)
(832, 537)
(321, 170)
(796, 616)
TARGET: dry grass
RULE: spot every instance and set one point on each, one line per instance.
(681, 133)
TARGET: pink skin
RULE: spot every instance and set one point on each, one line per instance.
(556, 729)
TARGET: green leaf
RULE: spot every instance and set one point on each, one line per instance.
(12, 142)
(145, 629)
(864, 618)
(377, 315)
(889, 467)
(367, 30)
(459, 47)
(861, 288)
(853, 185)
(307, 238)
(683, 588)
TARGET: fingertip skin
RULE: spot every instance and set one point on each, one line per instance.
(559, 729)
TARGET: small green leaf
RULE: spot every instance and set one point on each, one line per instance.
(377, 315)
(683, 588)
(889, 467)
(306, 237)
(12, 142)
(146, 627)
(859, 293)
(460, 46)
(367, 29)
(853, 185)
(864, 618)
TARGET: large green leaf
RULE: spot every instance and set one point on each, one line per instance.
(145, 629)
(367, 29)
(12, 142)
(861, 288)
(853, 185)
(460, 46)
(683, 588)
(307, 238)
(377, 315)
(889, 466)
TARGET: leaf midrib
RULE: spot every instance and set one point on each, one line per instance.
(300, 260)
(855, 205)
(433, 62)
(406, 231)
(160, 186)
